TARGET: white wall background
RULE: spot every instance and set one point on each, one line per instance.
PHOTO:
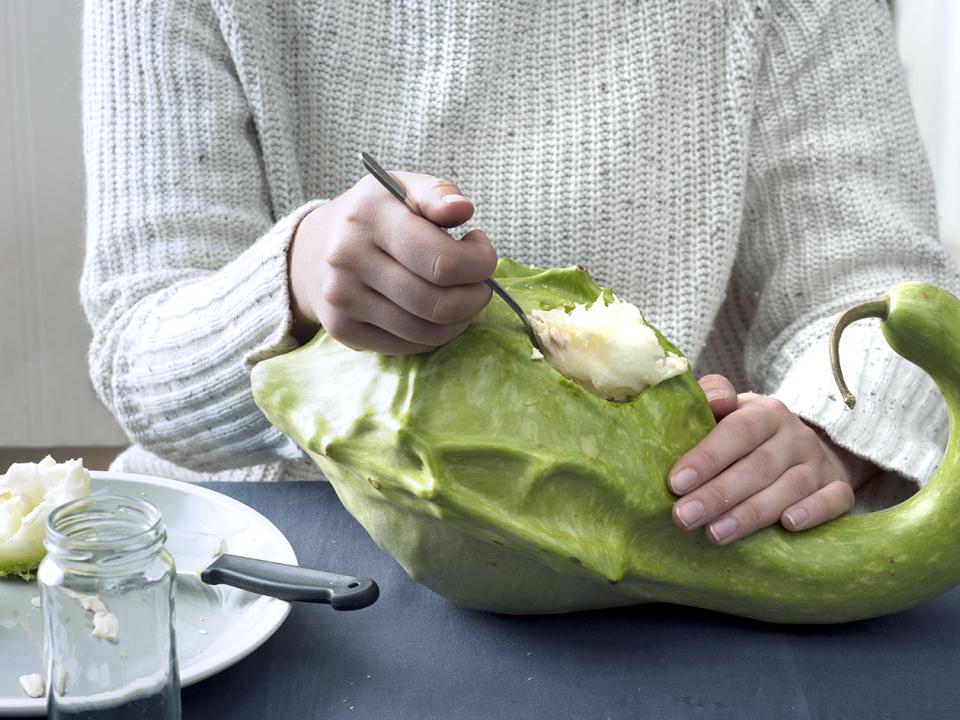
(45, 396)
(928, 33)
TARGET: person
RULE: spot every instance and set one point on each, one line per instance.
(741, 171)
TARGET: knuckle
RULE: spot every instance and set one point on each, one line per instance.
(443, 186)
(844, 493)
(367, 182)
(801, 481)
(341, 256)
(337, 328)
(356, 205)
(442, 271)
(754, 513)
(367, 188)
(715, 499)
(762, 458)
(807, 439)
(807, 431)
(774, 405)
(444, 309)
(706, 457)
(757, 423)
(748, 425)
(337, 291)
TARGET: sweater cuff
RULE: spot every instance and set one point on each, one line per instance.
(900, 419)
(273, 314)
(197, 410)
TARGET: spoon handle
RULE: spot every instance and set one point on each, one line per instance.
(516, 308)
(386, 179)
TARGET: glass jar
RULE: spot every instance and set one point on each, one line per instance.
(108, 614)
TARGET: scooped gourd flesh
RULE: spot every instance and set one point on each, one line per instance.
(505, 486)
(607, 348)
(28, 493)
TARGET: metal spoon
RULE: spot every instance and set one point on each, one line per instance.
(400, 193)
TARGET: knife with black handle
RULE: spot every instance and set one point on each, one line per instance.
(290, 582)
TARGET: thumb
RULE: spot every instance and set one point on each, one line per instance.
(438, 200)
(720, 393)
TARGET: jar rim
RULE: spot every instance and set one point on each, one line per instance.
(145, 533)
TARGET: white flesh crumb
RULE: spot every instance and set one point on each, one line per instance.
(32, 684)
(61, 679)
(35, 601)
(105, 623)
(105, 626)
(536, 354)
(91, 603)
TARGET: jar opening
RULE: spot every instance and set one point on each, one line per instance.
(104, 527)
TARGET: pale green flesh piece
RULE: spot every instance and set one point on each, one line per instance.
(28, 493)
(505, 487)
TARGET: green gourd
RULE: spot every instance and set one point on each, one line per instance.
(505, 487)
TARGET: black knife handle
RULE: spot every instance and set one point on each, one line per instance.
(293, 583)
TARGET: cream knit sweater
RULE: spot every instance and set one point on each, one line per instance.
(740, 170)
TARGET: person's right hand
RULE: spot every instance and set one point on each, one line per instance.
(377, 277)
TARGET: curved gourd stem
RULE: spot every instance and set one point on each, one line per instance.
(874, 308)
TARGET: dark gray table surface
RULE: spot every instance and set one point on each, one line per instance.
(414, 655)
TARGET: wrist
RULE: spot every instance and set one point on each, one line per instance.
(854, 469)
(304, 320)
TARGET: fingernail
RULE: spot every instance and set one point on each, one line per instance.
(452, 198)
(690, 512)
(683, 480)
(716, 394)
(797, 517)
(723, 528)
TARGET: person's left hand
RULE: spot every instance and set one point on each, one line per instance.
(759, 465)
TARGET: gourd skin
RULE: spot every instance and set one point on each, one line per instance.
(505, 487)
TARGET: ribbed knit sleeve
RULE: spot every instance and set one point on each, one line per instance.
(185, 276)
(839, 206)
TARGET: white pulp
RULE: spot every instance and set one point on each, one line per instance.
(608, 349)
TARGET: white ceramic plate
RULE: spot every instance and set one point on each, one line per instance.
(216, 626)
